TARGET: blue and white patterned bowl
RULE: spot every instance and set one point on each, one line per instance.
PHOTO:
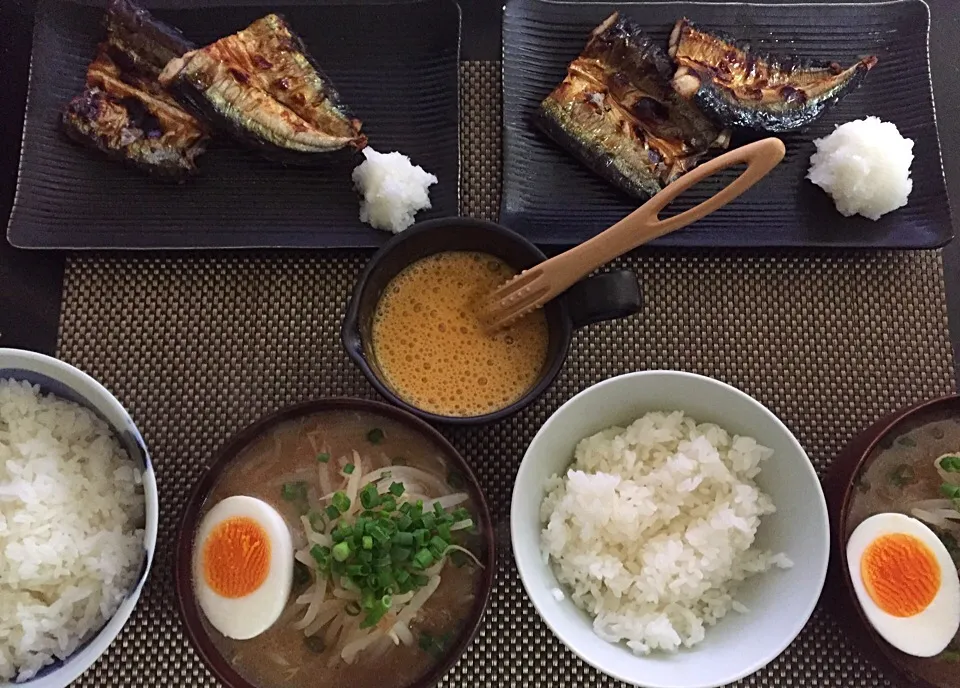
(69, 383)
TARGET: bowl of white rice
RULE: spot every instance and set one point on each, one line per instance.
(78, 520)
(670, 530)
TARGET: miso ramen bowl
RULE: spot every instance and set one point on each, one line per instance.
(889, 468)
(294, 443)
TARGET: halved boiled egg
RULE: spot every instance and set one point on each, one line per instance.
(906, 582)
(242, 566)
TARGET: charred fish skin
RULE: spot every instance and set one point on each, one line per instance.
(124, 112)
(140, 42)
(262, 86)
(124, 132)
(616, 112)
(759, 92)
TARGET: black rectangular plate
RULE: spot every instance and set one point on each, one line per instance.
(552, 199)
(394, 62)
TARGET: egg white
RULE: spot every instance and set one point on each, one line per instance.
(929, 632)
(245, 617)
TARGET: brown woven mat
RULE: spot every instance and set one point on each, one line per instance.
(197, 346)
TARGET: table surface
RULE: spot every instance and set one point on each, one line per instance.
(31, 282)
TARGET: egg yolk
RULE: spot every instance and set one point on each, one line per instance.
(236, 557)
(900, 573)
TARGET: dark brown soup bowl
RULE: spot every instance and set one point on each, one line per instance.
(190, 612)
(851, 489)
(601, 297)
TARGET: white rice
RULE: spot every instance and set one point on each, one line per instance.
(651, 529)
(71, 543)
(865, 166)
(394, 190)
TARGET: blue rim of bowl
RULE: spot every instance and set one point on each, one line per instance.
(514, 505)
(22, 366)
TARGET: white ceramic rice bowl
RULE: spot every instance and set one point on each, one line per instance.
(780, 601)
(64, 380)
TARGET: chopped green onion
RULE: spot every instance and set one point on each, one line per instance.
(461, 514)
(385, 578)
(420, 536)
(321, 555)
(380, 607)
(401, 575)
(950, 463)
(365, 556)
(375, 436)
(352, 608)
(902, 475)
(368, 599)
(951, 491)
(332, 512)
(349, 468)
(323, 457)
(356, 571)
(341, 501)
(367, 542)
(404, 522)
(429, 521)
(341, 551)
(443, 530)
(400, 554)
(423, 559)
(369, 497)
(404, 539)
(293, 492)
(388, 503)
(438, 509)
(397, 489)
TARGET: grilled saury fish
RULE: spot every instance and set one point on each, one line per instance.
(261, 85)
(123, 111)
(739, 88)
(618, 114)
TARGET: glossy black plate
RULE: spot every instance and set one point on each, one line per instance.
(551, 199)
(395, 62)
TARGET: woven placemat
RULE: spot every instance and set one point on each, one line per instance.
(198, 346)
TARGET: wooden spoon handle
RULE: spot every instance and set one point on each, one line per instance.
(759, 156)
(644, 223)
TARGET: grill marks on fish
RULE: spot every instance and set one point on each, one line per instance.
(741, 88)
(123, 111)
(263, 86)
(617, 113)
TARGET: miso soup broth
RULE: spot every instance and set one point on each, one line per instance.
(366, 627)
(901, 476)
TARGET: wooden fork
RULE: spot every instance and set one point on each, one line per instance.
(532, 288)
